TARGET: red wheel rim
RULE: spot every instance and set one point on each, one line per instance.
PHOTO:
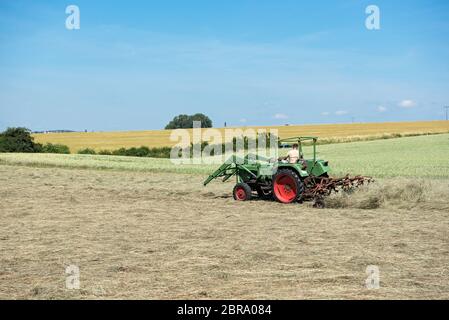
(285, 188)
(240, 193)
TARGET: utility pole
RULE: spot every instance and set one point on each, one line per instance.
(446, 107)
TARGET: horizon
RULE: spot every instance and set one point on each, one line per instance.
(133, 67)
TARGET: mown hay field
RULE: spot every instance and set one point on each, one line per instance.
(420, 156)
(148, 235)
(142, 228)
(158, 138)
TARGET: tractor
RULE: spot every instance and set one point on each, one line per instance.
(308, 179)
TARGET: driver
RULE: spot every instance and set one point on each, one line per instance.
(293, 155)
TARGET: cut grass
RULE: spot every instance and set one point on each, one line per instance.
(100, 162)
(140, 235)
(420, 156)
(401, 193)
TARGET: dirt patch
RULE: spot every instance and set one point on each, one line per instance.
(153, 236)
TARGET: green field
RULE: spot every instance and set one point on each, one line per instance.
(421, 156)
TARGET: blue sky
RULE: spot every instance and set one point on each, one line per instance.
(134, 65)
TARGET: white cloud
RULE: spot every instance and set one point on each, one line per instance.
(243, 120)
(381, 109)
(325, 113)
(407, 104)
(280, 116)
(341, 112)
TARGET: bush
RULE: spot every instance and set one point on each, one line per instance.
(18, 140)
(87, 151)
(163, 152)
(138, 152)
(105, 152)
(119, 152)
(55, 148)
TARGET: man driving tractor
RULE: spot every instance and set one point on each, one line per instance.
(293, 155)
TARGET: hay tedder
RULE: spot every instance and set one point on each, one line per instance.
(305, 180)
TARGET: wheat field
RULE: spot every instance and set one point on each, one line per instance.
(158, 138)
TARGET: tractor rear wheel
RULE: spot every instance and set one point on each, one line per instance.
(242, 192)
(287, 186)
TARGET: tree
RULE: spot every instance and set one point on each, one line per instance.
(18, 140)
(184, 121)
(205, 121)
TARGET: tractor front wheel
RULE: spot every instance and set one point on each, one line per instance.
(287, 186)
(242, 192)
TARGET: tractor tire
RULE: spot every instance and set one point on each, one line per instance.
(287, 186)
(242, 192)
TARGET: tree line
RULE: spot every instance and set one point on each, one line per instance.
(20, 140)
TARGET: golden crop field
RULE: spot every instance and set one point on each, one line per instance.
(159, 138)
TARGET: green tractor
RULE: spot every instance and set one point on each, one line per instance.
(271, 178)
